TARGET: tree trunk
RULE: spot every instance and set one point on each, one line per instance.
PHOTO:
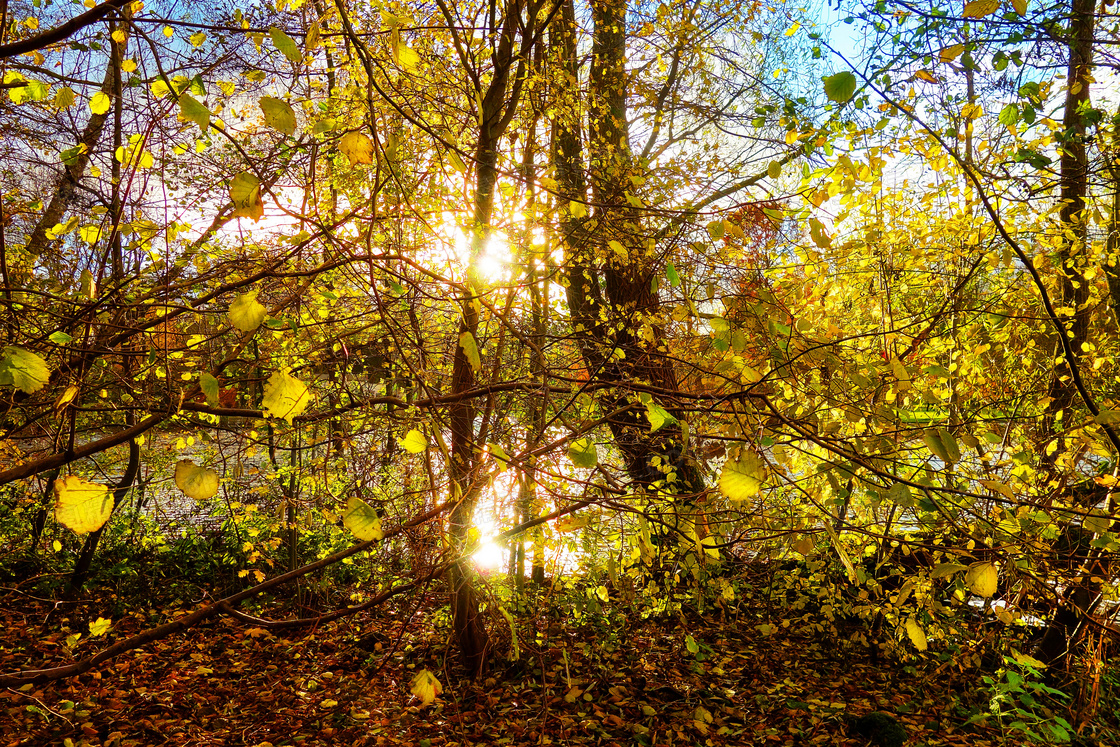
(1060, 636)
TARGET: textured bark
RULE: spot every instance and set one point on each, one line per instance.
(610, 265)
(1066, 622)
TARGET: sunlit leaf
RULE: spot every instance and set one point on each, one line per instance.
(470, 349)
(285, 396)
(413, 442)
(426, 687)
(362, 520)
(658, 416)
(100, 103)
(23, 370)
(357, 147)
(818, 234)
(194, 111)
(245, 194)
(81, 506)
(916, 634)
(840, 87)
(246, 313)
(196, 482)
(742, 477)
(285, 45)
(583, 452)
(982, 579)
(100, 626)
(950, 53)
(278, 114)
(998, 487)
(1020, 6)
(980, 8)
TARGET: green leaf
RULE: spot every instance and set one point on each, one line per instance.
(246, 313)
(278, 114)
(64, 97)
(100, 103)
(773, 169)
(413, 442)
(60, 338)
(658, 416)
(900, 494)
(1097, 522)
(583, 452)
(499, 454)
(426, 687)
(285, 396)
(196, 482)
(81, 506)
(1009, 115)
(741, 478)
(470, 349)
(691, 644)
(840, 87)
(939, 448)
(23, 369)
(286, 45)
(245, 194)
(716, 229)
(357, 147)
(950, 443)
(194, 111)
(671, 275)
(362, 521)
(210, 388)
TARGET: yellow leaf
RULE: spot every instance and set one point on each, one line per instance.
(982, 579)
(195, 481)
(426, 687)
(916, 634)
(1020, 6)
(285, 396)
(100, 626)
(362, 520)
(414, 442)
(100, 103)
(470, 350)
(246, 313)
(926, 75)
(81, 506)
(357, 147)
(980, 8)
(245, 194)
(950, 53)
(741, 478)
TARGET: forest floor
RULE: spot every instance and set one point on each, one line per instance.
(609, 679)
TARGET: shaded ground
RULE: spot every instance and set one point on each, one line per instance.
(606, 680)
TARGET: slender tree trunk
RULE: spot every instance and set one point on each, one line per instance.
(609, 267)
(1060, 636)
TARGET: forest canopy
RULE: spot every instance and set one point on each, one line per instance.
(805, 317)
